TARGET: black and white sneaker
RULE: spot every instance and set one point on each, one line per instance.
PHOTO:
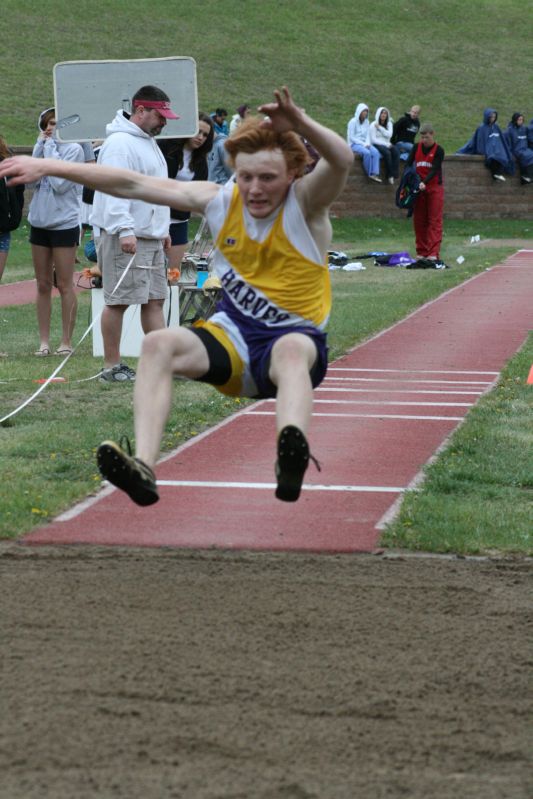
(441, 265)
(120, 373)
(127, 473)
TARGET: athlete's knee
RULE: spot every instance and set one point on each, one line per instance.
(159, 344)
(292, 351)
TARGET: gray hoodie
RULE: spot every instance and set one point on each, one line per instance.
(129, 147)
(357, 132)
(56, 202)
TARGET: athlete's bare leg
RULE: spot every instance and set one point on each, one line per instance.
(165, 353)
(293, 356)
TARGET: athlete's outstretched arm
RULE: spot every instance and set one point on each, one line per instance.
(184, 196)
(318, 189)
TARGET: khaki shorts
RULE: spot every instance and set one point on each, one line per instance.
(146, 278)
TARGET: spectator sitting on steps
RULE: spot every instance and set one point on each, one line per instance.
(516, 135)
(358, 138)
(488, 140)
(380, 136)
(404, 132)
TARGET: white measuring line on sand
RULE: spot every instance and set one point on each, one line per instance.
(273, 486)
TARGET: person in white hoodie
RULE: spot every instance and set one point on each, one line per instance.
(380, 136)
(358, 138)
(126, 227)
(54, 217)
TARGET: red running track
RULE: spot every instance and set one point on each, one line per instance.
(24, 291)
(382, 412)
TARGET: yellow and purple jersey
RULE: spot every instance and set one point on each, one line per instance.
(274, 282)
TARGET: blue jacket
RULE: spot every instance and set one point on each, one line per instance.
(488, 140)
(530, 134)
(517, 139)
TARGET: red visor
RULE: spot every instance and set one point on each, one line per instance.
(161, 105)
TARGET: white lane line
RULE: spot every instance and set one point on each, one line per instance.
(272, 486)
(411, 371)
(371, 416)
(402, 380)
(390, 402)
(338, 390)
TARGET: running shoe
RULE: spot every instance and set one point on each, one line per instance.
(120, 373)
(129, 474)
(292, 462)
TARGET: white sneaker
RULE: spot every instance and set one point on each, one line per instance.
(375, 178)
(391, 181)
(499, 177)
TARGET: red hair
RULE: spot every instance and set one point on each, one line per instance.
(250, 138)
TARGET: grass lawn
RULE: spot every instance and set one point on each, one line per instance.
(47, 450)
(452, 58)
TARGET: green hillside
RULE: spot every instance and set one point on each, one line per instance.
(452, 57)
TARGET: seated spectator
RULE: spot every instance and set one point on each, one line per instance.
(380, 132)
(516, 134)
(219, 170)
(530, 134)
(404, 132)
(488, 140)
(220, 122)
(242, 112)
(358, 138)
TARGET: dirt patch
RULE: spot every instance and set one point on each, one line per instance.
(163, 673)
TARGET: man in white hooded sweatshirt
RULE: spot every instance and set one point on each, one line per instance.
(358, 138)
(125, 227)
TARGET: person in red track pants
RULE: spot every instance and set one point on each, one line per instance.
(427, 157)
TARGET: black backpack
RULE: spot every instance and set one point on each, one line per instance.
(10, 207)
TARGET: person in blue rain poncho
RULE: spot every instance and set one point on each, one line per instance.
(489, 140)
(517, 138)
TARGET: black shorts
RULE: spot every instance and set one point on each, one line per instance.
(43, 237)
(179, 232)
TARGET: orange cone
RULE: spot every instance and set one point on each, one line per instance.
(530, 376)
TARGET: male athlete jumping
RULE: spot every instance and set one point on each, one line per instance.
(266, 339)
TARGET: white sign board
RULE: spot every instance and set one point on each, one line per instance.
(88, 94)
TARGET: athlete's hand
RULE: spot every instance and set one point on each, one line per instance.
(22, 169)
(128, 244)
(283, 114)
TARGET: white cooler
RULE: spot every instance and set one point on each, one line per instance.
(132, 332)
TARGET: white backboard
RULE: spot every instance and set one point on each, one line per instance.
(88, 94)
